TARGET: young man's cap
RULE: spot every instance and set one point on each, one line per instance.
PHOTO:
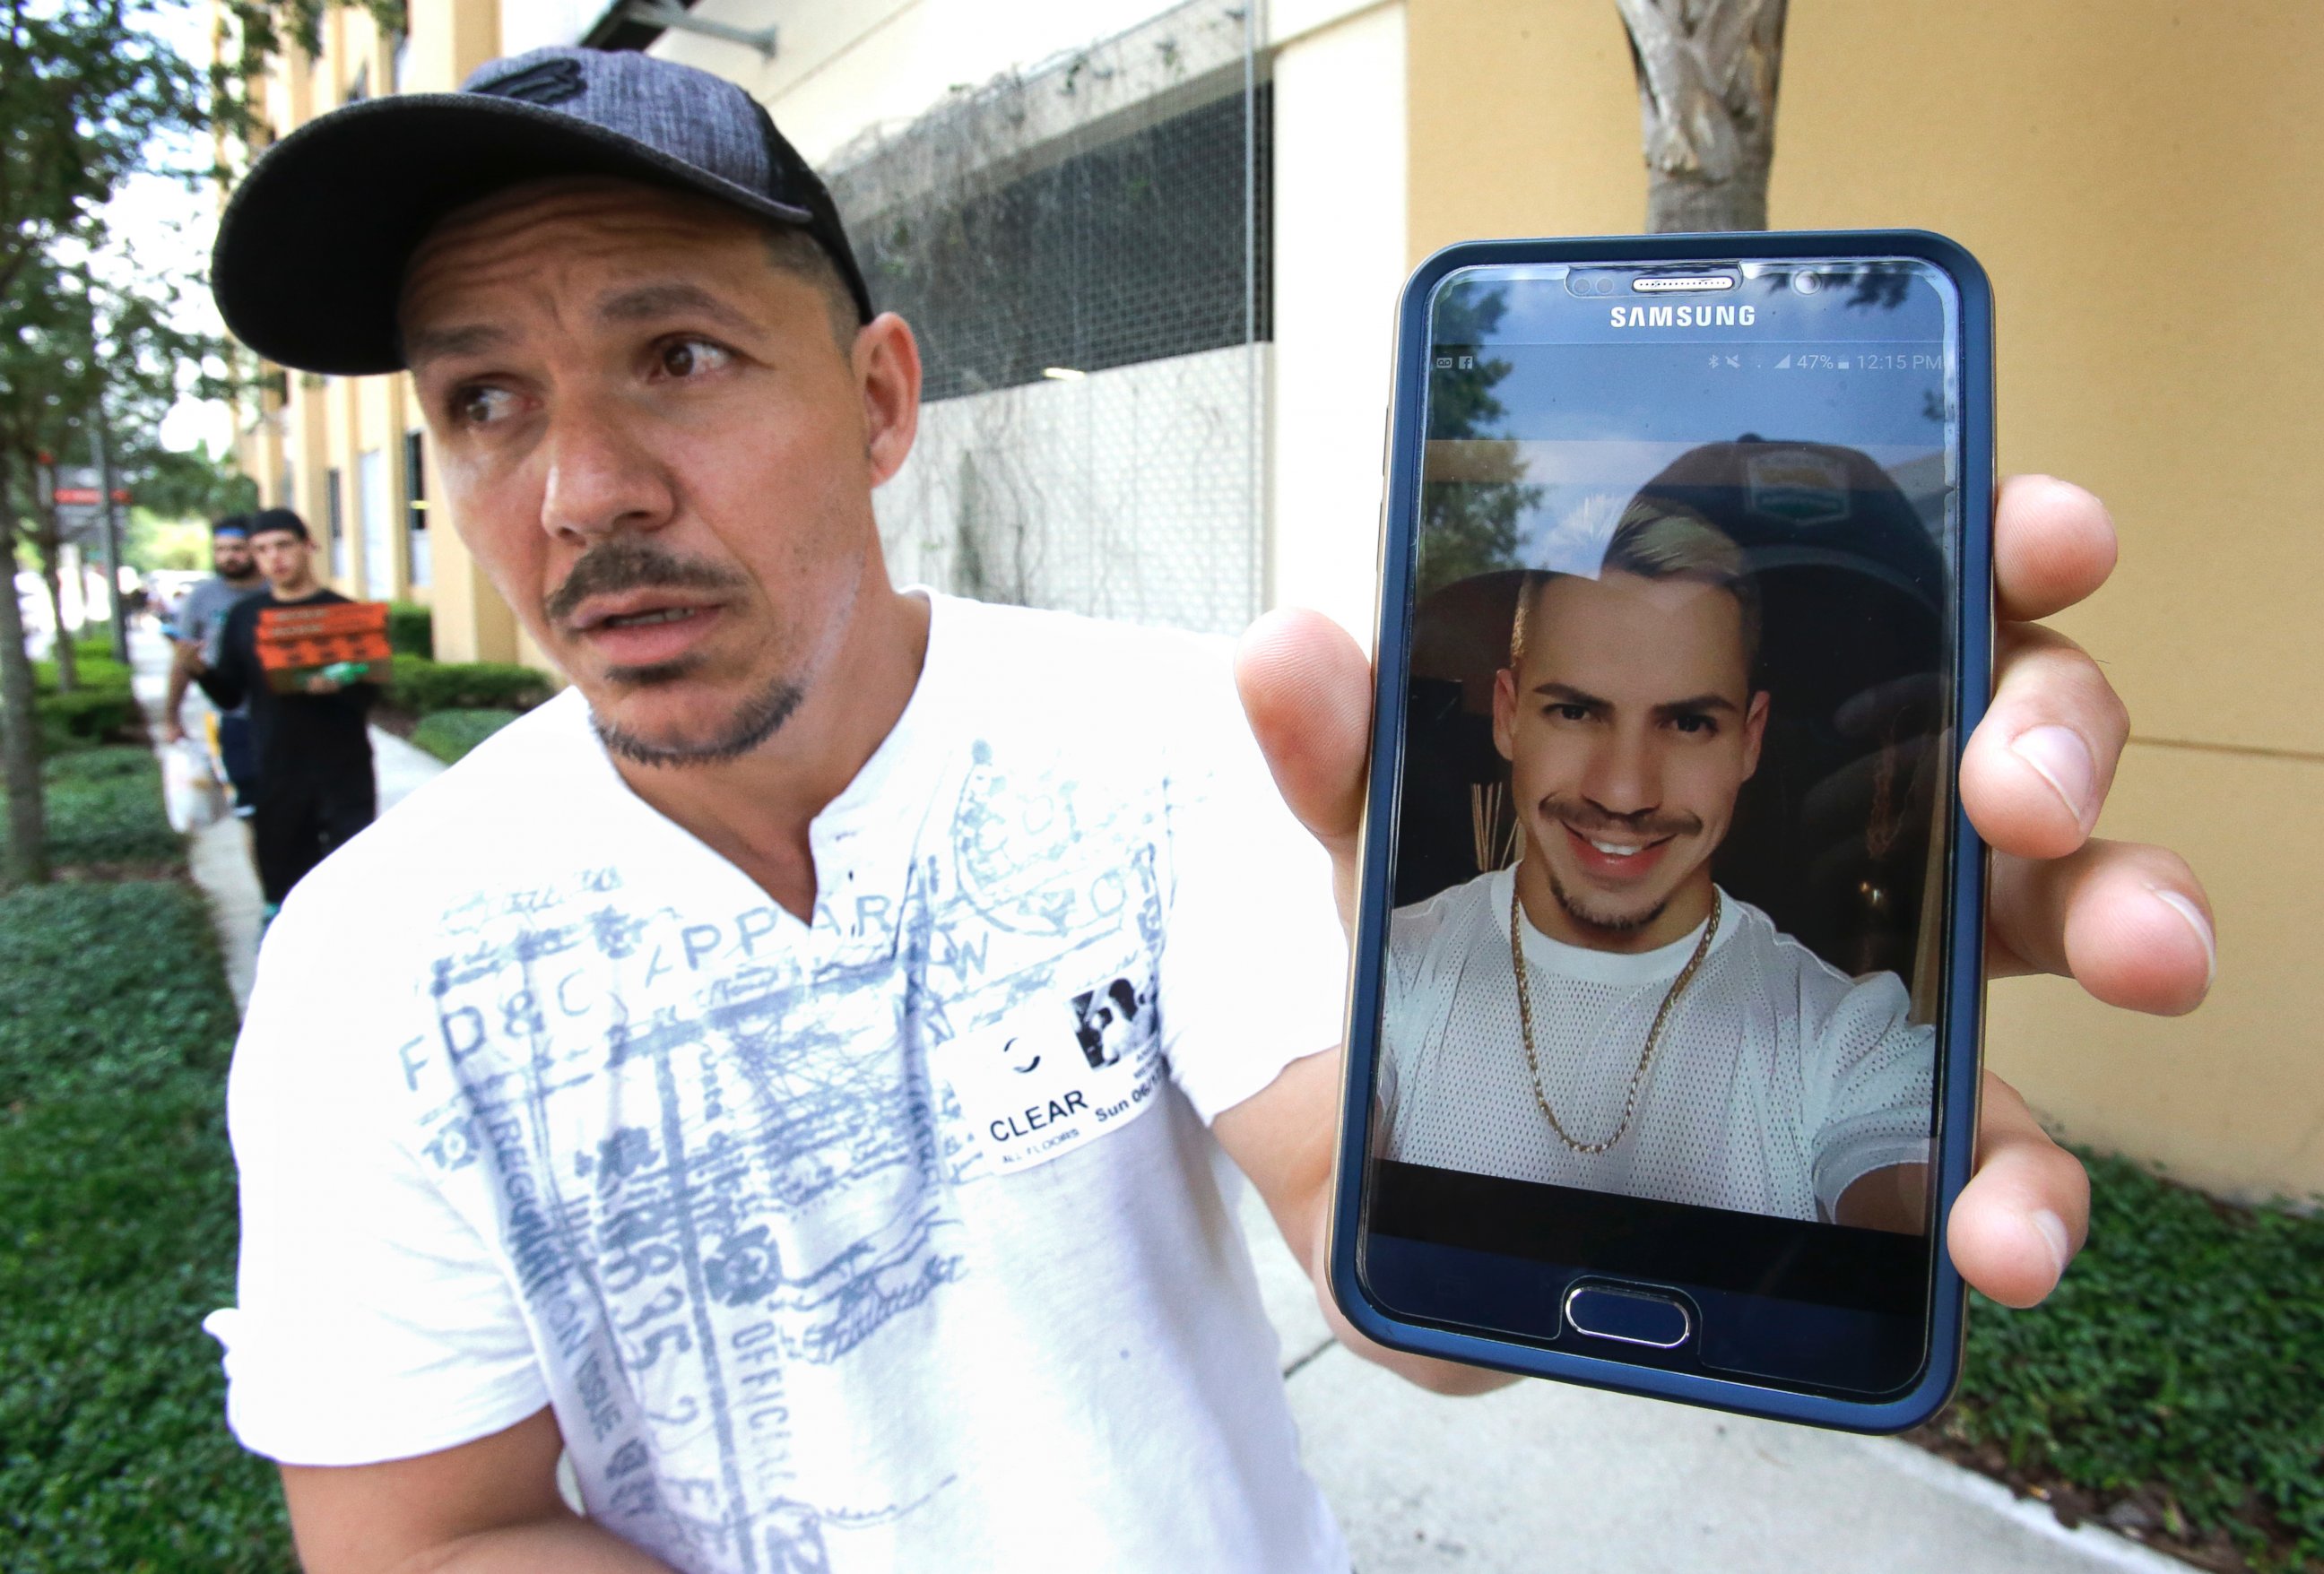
(312, 249)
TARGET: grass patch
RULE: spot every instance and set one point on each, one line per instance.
(449, 735)
(118, 1188)
(2173, 1385)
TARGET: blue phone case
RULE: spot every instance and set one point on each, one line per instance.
(1959, 1053)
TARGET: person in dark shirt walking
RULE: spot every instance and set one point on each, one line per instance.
(313, 747)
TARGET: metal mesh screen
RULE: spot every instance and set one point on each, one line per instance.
(1082, 254)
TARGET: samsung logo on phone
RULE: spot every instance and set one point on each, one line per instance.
(1685, 316)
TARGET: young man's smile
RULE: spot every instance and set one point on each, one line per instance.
(1629, 725)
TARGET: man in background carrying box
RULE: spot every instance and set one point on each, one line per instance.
(310, 661)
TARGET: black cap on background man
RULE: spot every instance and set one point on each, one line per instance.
(312, 249)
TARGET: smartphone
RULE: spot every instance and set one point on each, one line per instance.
(1663, 1059)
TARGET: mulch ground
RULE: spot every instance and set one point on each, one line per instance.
(2144, 1517)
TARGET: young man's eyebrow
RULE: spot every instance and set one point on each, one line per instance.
(1569, 694)
(430, 344)
(1697, 706)
(644, 302)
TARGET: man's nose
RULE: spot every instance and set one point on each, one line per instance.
(1625, 774)
(601, 480)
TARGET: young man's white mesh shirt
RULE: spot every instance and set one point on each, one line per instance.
(1776, 1082)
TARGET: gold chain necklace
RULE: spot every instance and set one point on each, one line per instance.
(1653, 1034)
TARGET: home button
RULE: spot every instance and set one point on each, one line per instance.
(1632, 1316)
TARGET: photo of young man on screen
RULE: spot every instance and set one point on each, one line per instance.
(1601, 1015)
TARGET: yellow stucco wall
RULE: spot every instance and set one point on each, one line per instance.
(2143, 179)
(329, 424)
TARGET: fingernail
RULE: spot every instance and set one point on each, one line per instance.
(2052, 1231)
(2064, 761)
(2186, 909)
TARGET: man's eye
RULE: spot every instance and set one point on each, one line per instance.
(481, 406)
(1568, 712)
(1695, 726)
(688, 357)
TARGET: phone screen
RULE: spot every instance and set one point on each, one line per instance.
(1661, 1018)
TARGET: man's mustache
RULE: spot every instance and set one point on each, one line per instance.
(626, 564)
(1649, 824)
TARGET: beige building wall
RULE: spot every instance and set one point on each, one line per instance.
(346, 439)
(2144, 180)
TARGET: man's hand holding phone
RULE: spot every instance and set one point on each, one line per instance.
(2128, 922)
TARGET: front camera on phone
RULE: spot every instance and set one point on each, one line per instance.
(1807, 283)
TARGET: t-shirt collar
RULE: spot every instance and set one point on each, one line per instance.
(1585, 965)
(863, 840)
(873, 826)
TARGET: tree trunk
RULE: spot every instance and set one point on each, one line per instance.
(52, 548)
(1708, 73)
(20, 727)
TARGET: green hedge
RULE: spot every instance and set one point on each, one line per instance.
(104, 809)
(2184, 1354)
(84, 719)
(411, 629)
(104, 812)
(101, 708)
(449, 735)
(110, 989)
(118, 1186)
(421, 686)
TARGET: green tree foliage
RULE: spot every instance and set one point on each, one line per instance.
(259, 32)
(1471, 506)
(86, 91)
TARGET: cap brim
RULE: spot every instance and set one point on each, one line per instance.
(313, 244)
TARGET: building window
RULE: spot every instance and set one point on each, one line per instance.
(335, 508)
(1129, 250)
(1084, 252)
(415, 508)
(376, 520)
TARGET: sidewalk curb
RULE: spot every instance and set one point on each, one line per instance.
(2089, 1539)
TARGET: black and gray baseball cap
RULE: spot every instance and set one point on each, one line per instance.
(313, 245)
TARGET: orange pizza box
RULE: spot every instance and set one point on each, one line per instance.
(294, 643)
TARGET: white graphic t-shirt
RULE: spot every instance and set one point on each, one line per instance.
(896, 1240)
(1778, 1080)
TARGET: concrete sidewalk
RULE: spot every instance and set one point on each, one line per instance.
(219, 855)
(1544, 1476)
(1539, 1476)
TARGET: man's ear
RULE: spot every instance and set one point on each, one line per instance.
(1505, 713)
(1754, 732)
(886, 360)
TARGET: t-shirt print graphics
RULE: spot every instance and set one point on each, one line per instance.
(727, 1153)
(1053, 1065)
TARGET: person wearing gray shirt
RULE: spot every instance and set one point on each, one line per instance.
(200, 617)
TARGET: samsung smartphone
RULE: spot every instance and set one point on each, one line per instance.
(1663, 1066)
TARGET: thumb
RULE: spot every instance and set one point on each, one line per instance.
(1307, 690)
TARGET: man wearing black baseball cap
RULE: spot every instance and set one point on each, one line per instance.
(785, 1072)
